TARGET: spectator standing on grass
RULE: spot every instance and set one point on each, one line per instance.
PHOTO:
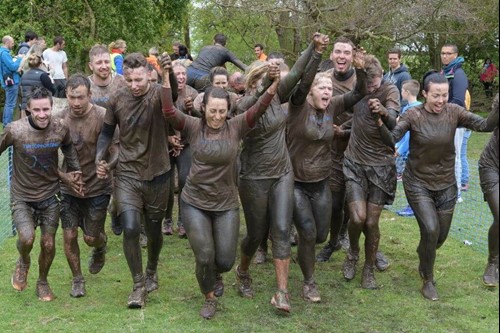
(398, 73)
(10, 78)
(452, 69)
(487, 77)
(58, 65)
(429, 180)
(35, 185)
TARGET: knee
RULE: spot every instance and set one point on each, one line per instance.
(307, 234)
(26, 239)
(89, 240)
(321, 236)
(48, 243)
(225, 264)
(205, 258)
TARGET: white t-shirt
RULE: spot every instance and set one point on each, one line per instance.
(55, 60)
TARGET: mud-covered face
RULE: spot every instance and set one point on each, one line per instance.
(78, 100)
(342, 56)
(321, 94)
(100, 65)
(436, 97)
(180, 74)
(220, 81)
(216, 112)
(137, 80)
(40, 110)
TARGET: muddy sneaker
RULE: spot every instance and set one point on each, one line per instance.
(260, 256)
(151, 281)
(368, 278)
(166, 228)
(219, 285)
(116, 225)
(208, 309)
(137, 298)
(325, 253)
(244, 283)
(97, 260)
(281, 301)
(349, 267)
(77, 287)
(382, 263)
(429, 290)
(44, 292)
(490, 276)
(19, 279)
(181, 232)
(310, 292)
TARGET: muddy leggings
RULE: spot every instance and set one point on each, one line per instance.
(182, 163)
(312, 212)
(268, 206)
(213, 236)
(434, 213)
(489, 186)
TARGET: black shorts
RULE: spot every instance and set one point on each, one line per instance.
(375, 184)
(43, 213)
(83, 212)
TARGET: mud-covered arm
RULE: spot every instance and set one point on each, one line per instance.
(70, 154)
(247, 101)
(257, 110)
(175, 117)
(359, 91)
(300, 94)
(477, 123)
(292, 78)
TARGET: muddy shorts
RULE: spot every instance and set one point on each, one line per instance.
(86, 213)
(44, 214)
(489, 179)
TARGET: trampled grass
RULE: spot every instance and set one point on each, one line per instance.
(465, 305)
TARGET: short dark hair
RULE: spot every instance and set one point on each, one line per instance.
(275, 55)
(453, 46)
(259, 45)
(30, 35)
(218, 70)
(77, 80)
(395, 50)
(58, 40)
(217, 92)
(433, 77)
(183, 50)
(40, 93)
(344, 40)
(135, 60)
(220, 39)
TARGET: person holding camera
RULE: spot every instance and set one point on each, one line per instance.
(10, 78)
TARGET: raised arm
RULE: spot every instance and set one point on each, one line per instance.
(175, 117)
(292, 78)
(257, 110)
(300, 94)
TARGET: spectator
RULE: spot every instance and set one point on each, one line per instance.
(30, 38)
(58, 68)
(117, 50)
(488, 74)
(259, 52)
(10, 78)
(398, 73)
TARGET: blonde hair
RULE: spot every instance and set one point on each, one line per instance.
(117, 44)
(254, 73)
(320, 76)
